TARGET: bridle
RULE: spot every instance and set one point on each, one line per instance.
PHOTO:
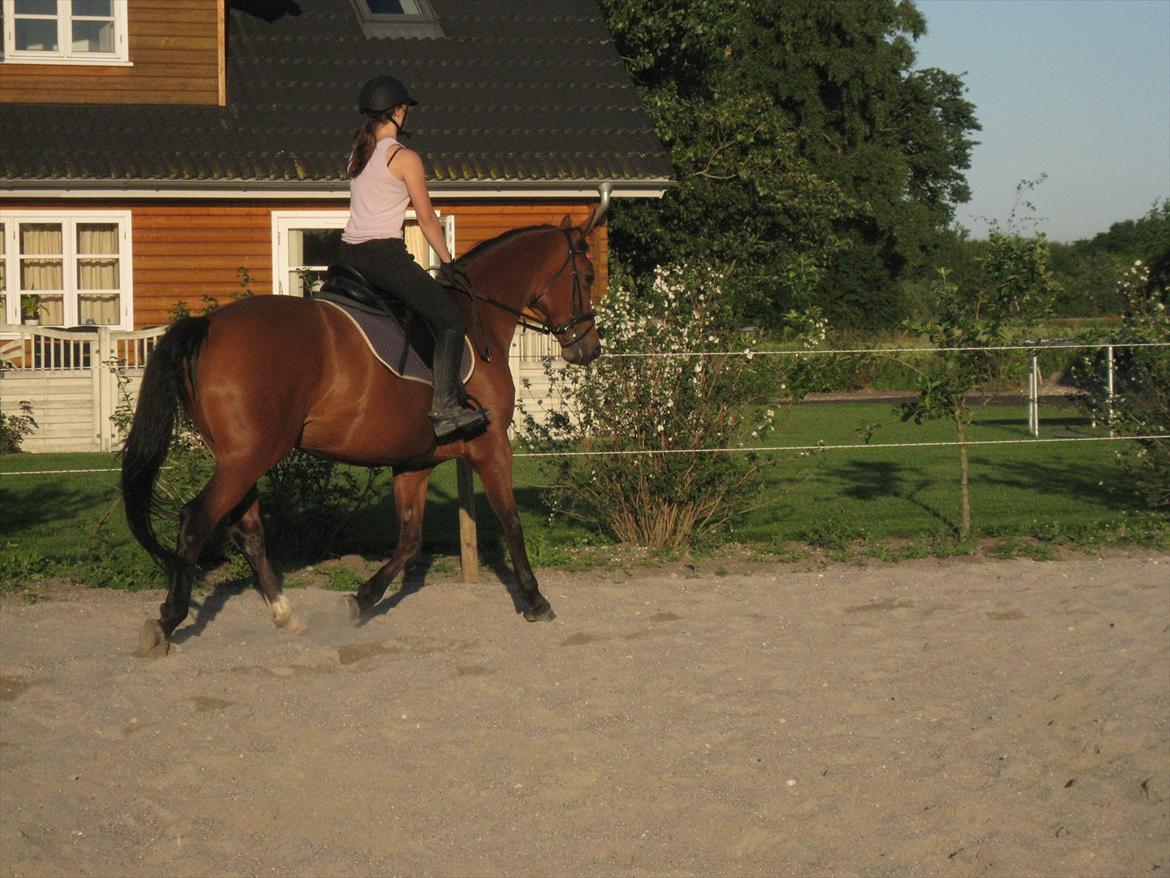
(565, 333)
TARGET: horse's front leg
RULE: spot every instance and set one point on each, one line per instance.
(495, 472)
(410, 499)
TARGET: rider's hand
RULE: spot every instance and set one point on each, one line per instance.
(454, 276)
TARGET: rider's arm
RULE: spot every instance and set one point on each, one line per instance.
(409, 168)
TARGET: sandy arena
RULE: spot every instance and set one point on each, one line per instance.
(934, 718)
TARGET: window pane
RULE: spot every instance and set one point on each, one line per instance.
(41, 239)
(52, 311)
(37, 275)
(3, 277)
(93, 36)
(97, 239)
(416, 244)
(99, 310)
(36, 7)
(41, 264)
(97, 263)
(304, 280)
(394, 7)
(97, 274)
(36, 35)
(96, 8)
(320, 246)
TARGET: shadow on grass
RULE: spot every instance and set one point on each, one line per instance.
(869, 480)
(1098, 484)
(46, 503)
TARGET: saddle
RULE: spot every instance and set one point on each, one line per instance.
(400, 339)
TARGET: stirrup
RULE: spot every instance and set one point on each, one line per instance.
(454, 421)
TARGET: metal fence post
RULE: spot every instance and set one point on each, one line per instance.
(1033, 394)
(1109, 385)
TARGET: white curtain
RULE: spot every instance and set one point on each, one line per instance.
(97, 269)
(417, 244)
(42, 268)
(296, 262)
(3, 276)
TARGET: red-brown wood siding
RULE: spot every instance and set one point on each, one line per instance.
(176, 49)
(186, 249)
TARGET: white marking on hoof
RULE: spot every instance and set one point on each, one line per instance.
(281, 611)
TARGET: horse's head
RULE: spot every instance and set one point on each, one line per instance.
(565, 301)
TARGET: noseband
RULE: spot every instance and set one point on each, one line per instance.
(565, 333)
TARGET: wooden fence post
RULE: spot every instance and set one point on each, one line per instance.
(468, 540)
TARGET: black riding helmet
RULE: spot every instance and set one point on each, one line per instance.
(383, 93)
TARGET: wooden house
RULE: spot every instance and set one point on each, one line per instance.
(154, 152)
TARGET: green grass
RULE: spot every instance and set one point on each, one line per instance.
(885, 503)
(882, 493)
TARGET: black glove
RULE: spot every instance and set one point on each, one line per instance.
(455, 277)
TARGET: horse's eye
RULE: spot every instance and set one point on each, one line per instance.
(589, 279)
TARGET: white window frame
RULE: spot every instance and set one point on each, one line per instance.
(64, 54)
(286, 221)
(11, 220)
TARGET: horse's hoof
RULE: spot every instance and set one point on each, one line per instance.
(281, 611)
(540, 611)
(152, 641)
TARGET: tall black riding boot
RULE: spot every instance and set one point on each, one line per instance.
(448, 414)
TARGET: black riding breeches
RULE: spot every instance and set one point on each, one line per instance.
(388, 265)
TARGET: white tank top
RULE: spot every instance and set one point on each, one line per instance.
(377, 200)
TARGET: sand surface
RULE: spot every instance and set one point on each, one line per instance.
(955, 718)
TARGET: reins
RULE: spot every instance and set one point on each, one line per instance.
(577, 317)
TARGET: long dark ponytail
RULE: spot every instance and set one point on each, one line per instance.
(364, 141)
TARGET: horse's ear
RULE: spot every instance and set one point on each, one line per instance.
(567, 222)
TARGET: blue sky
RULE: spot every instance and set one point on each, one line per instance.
(1075, 89)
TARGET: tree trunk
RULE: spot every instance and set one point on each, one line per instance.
(964, 473)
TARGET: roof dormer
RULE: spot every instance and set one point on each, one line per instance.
(398, 18)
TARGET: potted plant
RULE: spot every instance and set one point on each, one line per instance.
(31, 309)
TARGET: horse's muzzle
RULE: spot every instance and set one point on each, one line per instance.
(584, 350)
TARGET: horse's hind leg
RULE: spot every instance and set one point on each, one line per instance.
(224, 492)
(410, 499)
(247, 532)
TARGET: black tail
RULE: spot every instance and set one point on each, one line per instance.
(150, 436)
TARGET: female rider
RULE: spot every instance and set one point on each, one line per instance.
(384, 178)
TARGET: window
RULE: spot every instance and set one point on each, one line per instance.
(305, 244)
(397, 18)
(65, 32)
(60, 270)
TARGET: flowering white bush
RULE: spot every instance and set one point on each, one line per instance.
(676, 399)
(1141, 402)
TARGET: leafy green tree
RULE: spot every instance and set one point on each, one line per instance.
(1140, 404)
(1016, 286)
(1095, 273)
(799, 133)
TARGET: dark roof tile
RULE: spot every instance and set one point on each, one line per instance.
(529, 90)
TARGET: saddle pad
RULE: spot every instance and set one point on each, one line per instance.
(384, 336)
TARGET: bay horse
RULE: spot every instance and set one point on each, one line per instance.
(268, 374)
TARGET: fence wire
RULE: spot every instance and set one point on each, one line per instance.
(774, 449)
(813, 352)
